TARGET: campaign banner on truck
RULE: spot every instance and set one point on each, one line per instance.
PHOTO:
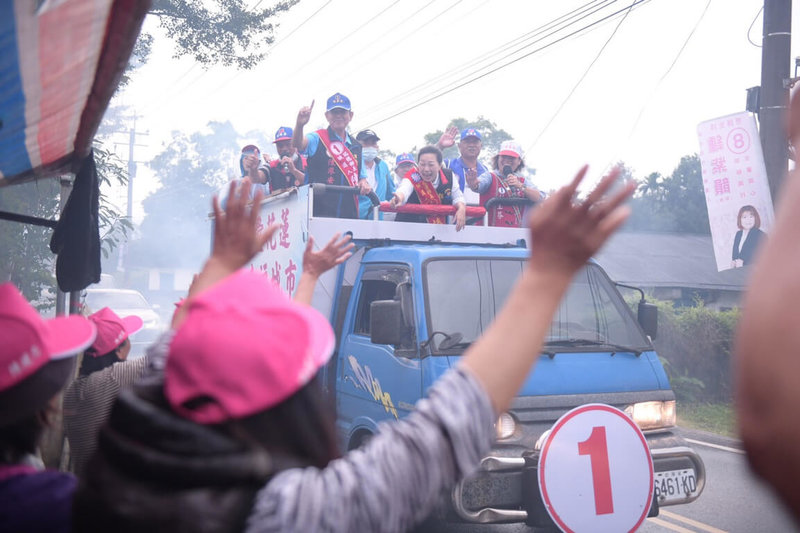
(282, 257)
(737, 190)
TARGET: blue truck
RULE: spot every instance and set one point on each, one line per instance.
(412, 298)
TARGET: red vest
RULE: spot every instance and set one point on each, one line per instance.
(506, 216)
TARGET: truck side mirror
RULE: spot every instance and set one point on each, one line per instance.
(385, 322)
(647, 315)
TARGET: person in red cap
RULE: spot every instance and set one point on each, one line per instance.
(236, 436)
(506, 180)
(37, 359)
(104, 372)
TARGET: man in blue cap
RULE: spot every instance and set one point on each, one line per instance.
(289, 169)
(402, 165)
(467, 165)
(334, 158)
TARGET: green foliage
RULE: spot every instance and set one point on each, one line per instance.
(492, 136)
(176, 230)
(674, 203)
(695, 344)
(218, 32)
(114, 228)
(717, 418)
(27, 260)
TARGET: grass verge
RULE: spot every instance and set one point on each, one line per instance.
(714, 417)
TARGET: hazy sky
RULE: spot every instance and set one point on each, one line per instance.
(630, 106)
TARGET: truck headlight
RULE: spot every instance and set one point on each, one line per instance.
(505, 426)
(652, 415)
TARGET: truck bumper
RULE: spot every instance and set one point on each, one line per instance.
(506, 489)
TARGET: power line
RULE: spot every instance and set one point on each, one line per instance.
(477, 71)
(340, 41)
(509, 63)
(336, 68)
(484, 57)
(580, 80)
(280, 41)
(398, 25)
(669, 69)
(751, 28)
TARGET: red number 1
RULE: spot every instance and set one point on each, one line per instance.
(597, 450)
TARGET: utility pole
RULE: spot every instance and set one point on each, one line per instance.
(121, 262)
(775, 62)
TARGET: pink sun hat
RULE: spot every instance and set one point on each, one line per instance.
(244, 347)
(37, 356)
(112, 330)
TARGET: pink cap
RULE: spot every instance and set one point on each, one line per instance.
(28, 342)
(112, 330)
(510, 148)
(243, 348)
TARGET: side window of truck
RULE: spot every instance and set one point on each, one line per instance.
(383, 283)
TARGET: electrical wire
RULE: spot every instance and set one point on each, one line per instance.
(669, 69)
(580, 80)
(496, 69)
(751, 28)
(330, 48)
(483, 57)
(474, 71)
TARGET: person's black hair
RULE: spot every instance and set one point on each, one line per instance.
(94, 363)
(430, 149)
(21, 438)
(302, 426)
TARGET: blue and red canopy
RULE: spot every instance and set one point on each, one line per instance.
(60, 63)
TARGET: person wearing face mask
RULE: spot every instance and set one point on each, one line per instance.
(430, 185)
(375, 171)
(747, 238)
(505, 181)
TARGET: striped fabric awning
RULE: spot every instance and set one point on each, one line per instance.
(60, 63)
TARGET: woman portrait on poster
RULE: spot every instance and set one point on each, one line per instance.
(746, 241)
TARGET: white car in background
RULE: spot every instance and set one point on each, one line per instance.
(126, 302)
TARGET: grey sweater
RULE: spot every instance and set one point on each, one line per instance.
(396, 479)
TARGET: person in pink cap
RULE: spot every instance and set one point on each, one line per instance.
(104, 372)
(505, 180)
(37, 359)
(235, 434)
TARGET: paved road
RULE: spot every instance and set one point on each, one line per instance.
(733, 500)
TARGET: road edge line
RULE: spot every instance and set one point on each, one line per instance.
(717, 446)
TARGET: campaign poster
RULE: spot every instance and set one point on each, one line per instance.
(735, 181)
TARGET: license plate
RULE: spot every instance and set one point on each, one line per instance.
(674, 485)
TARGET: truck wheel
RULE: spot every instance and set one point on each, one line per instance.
(359, 439)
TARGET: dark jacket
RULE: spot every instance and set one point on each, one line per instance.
(157, 472)
(754, 237)
(321, 168)
(37, 501)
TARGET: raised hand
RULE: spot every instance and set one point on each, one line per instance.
(236, 237)
(565, 233)
(335, 252)
(304, 115)
(448, 138)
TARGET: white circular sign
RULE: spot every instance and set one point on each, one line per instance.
(596, 472)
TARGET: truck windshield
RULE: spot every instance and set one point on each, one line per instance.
(463, 296)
